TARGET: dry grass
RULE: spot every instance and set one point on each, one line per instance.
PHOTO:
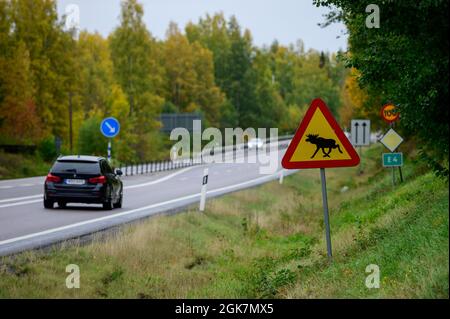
(262, 242)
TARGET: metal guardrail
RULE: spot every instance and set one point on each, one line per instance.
(156, 166)
(16, 149)
(168, 165)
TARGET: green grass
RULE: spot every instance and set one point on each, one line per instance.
(266, 242)
(21, 166)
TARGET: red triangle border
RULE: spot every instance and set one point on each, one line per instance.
(354, 157)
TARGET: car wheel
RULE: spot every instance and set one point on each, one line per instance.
(107, 205)
(62, 205)
(48, 203)
(119, 202)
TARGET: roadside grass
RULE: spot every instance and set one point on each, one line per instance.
(266, 242)
(21, 166)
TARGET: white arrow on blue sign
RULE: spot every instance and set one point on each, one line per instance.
(110, 127)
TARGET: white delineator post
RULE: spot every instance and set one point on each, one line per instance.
(281, 176)
(204, 188)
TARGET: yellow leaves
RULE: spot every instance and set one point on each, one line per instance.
(292, 118)
(192, 107)
(353, 98)
(179, 65)
(190, 76)
(356, 95)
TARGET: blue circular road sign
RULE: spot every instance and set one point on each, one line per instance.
(110, 127)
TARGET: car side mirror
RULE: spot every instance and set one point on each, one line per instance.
(119, 172)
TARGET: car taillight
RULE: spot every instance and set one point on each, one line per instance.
(52, 178)
(97, 180)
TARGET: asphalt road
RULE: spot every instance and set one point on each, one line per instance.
(25, 224)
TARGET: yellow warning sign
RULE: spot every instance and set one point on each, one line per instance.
(319, 142)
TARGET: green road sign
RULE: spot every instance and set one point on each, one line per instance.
(392, 159)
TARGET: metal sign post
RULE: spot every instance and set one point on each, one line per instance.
(326, 216)
(360, 163)
(400, 173)
(58, 142)
(399, 168)
(109, 150)
(393, 168)
(393, 176)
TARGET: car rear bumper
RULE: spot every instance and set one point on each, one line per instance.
(76, 199)
(70, 196)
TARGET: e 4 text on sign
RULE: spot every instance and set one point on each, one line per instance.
(392, 159)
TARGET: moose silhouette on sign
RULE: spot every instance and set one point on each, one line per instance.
(322, 143)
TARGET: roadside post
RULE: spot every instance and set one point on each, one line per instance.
(109, 150)
(320, 143)
(174, 153)
(58, 143)
(360, 136)
(204, 188)
(281, 177)
(392, 140)
(110, 127)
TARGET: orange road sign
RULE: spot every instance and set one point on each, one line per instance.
(390, 113)
(319, 142)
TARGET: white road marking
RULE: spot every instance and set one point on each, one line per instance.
(268, 177)
(161, 179)
(5, 187)
(40, 196)
(19, 198)
(53, 230)
(22, 203)
(26, 185)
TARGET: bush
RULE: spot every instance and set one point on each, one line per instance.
(169, 107)
(90, 140)
(47, 149)
(267, 280)
(21, 166)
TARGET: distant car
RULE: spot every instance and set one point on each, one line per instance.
(83, 179)
(255, 142)
(348, 135)
(375, 137)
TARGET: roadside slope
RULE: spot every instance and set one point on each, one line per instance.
(266, 242)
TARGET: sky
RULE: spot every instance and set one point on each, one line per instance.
(284, 20)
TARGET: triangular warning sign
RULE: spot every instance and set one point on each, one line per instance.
(319, 142)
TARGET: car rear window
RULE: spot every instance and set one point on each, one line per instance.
(77, 167)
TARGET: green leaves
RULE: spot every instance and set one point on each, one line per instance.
(259, 83)
(403, 62)
(89, 142)
(212, 68)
